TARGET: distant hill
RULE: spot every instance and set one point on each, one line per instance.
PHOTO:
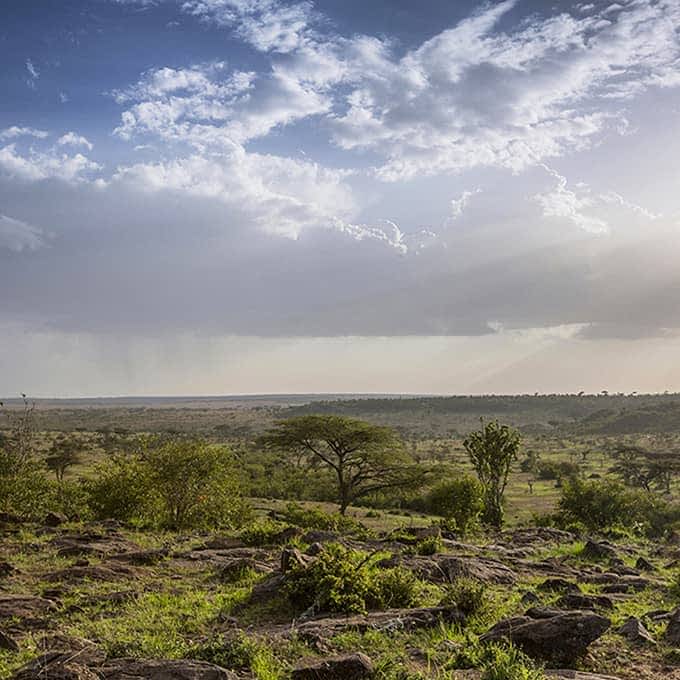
(648, 418)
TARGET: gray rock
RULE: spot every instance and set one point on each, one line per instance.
(163, 669)
(561, 638)
(672, 634)
(635, 632)
(345, 667)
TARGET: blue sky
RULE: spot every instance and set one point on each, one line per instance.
(221, 196)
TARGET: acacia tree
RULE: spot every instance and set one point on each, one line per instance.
(64, 453)
(492, 450)
(363, 457)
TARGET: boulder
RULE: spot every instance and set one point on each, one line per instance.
(345, 667)
(24, 606)
(140, 557)
(163, 669)
(594, 550)
(318, 631)
(558, 585)
(560, 638)
(447, 568)
(635, 632)
(8, 643)
(292, 557)
(643, 564)
(568, 674)
(101, 572)
(581, 601)
(55, 519)
(235, 569)
(672, 634)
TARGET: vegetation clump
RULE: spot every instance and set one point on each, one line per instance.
(344, 580)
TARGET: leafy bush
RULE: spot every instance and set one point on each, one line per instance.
(460, 501)
(469, 595)
(121, 489)
(262, 532)
(312, 518)
(430, 545)
(497, 662)
(174, 484)
(604, 504)
(237, 651)
(344, 580)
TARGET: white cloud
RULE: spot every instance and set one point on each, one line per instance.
(18, 236)
(18, 131)
(562, 202)
(74, 139)
(32, 70)
(38, 165)
(277, 195)
(268, 25)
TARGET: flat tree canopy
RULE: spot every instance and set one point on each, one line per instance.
(364, 457)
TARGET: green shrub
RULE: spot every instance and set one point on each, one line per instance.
(175, 484)
(237, 652)
(395, 588)
(469, 595)
(496, 662)
(312, 518)
(430, 545)
(121, 489)
(460, 501)
(262, 532)
(606, 504)
(344, 580)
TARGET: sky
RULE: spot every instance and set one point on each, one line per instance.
(259, 196)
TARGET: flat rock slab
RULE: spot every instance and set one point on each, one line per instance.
(101, 572)
(558, 637)
(24, 606)
(344, 667)
(318, 631)
(163, 669)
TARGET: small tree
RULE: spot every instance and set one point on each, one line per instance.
(176, 484)
(364, 458)
(492, 450)
(64, 453)
(460, 501)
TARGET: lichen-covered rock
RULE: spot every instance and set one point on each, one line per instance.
(163, 669)
(557, 637)
(345, 667)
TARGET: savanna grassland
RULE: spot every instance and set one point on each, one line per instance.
(202, 538)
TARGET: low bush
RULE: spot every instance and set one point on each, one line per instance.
(604, 504)
(174, 484)
(430, 545)
(312, 518)
(497, 662)
(469, 595)
(262, 532)
(344, 580)
(460, 501)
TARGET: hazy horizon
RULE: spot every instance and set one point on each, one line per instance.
(283, 196)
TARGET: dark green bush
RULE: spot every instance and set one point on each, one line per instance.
(430, 545)
(312, 518)
(262, 532)
(175, 484)
(344, 580)
(606, 504)
(469, 595)
(460, 501)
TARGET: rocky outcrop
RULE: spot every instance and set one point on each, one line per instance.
(635, 632)
(163, 669)
(557, 637)
(345, 667)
